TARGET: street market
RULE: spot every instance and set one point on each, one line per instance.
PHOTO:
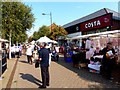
(83, 53)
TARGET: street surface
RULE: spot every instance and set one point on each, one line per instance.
(62, 75)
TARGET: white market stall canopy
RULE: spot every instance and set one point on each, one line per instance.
(3, 40)
(46, 39)
(53, 41)
(33, 42)
(96, 34)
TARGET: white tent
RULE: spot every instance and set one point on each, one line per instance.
(53, 41)
(33, 42)
(45, 39)
(3, 40)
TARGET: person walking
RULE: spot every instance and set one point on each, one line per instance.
(44, 63)
(29, 54)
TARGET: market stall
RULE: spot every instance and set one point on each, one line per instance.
(94, 44)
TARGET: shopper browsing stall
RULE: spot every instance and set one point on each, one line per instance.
(108, 60)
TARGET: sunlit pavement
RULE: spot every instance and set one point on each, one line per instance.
(62, 75)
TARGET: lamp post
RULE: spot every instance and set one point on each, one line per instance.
(50, 18)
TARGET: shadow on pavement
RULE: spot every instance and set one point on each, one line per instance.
(23, 61)
(30, 78)
(86, 75)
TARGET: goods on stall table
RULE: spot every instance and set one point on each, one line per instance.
(98, 56)
(68, 58)
(95, 67)
(94, 71)
(67, 55)
(83, 64)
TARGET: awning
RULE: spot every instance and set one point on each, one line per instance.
(94, 35)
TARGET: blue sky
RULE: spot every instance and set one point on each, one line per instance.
(64, 12)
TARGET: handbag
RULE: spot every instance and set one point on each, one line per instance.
(36, 64)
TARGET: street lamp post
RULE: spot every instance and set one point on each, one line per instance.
(50, 18)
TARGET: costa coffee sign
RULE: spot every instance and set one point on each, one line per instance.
(96, 23)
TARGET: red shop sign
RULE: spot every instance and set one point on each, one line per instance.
(96, 23)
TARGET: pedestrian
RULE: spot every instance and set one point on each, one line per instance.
(18, 51)
(55, 56)
(44, 63)
(29, 54)
(35, 54)
(108, 60)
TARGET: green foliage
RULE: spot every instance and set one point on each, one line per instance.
(54, 34)
(30, 39)
(43, 31)
(16, 17)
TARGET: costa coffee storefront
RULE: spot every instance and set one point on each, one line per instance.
(99, 21)
(99, 24)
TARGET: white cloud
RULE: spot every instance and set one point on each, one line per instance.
(32, 30)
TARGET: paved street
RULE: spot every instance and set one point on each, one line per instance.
(62, 75)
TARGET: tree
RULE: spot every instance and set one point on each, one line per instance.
(43, 31)
(30, 39)
(0, 19)
(35, 36)
(17, 19)
(57, 31)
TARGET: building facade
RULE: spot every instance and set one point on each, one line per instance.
(99, 21)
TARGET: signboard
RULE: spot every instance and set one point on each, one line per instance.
(74, 34)
(103, 21)
(73, 29)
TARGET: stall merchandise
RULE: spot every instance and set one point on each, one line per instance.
(68, 58)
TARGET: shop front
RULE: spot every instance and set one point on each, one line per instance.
(96, 32)
(99, 21)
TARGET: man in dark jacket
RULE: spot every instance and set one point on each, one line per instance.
(44, 62)
(108, 60)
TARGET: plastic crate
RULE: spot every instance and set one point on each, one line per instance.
(71, 60)
(68, 59)
(71, 53)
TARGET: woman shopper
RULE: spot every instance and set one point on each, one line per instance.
(29, 54)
